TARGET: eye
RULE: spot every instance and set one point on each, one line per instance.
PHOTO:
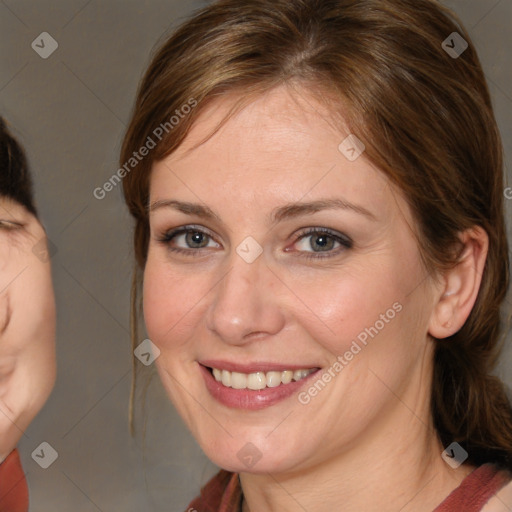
(322, 240)
(191, 239)
(9, 224)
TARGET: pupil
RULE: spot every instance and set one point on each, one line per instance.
(322, 241)
(196, 237)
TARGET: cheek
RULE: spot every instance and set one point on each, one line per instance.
(160, 310)
(32, 306)
(379, 326)
(347, 306)
(171, 304)
(4, 311)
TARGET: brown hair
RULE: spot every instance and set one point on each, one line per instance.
(427, 122)
(15, 179)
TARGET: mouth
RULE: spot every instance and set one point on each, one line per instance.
(257, 387)
(258, 380)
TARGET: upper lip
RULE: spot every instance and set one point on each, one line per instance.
(253, 367)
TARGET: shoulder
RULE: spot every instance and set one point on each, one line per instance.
(501, 501)
(13, 486)
(477, 490)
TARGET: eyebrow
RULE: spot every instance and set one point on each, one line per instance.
(288, 211)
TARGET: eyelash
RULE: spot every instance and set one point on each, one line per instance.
(345, 242)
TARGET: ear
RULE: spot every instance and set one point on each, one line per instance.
(459, 287)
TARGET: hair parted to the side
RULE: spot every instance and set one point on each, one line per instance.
(15, 179)
(426, 120)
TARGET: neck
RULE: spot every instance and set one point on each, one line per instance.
(386, 470)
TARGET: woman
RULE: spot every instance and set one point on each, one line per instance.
(319, 233)
(27, 318)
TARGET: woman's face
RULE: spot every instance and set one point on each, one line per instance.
(27, 322)
(251, 292)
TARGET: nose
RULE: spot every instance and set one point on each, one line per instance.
(245, 304)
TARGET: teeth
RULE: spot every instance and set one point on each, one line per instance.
(226, 378)
(238, 380)
(286, 377)
(258, 380)
(300, 374)
(273, 379)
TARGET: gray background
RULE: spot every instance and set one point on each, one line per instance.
(70, 112)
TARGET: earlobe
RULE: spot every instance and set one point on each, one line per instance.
(460, 285)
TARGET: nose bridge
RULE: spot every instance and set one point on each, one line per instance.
(242, 303)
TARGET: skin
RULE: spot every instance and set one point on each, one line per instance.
(370, 428)
(501, 502)
(27, 324)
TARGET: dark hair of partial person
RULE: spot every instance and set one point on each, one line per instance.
(426, 119)
(15, 178)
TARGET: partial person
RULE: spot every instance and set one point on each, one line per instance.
(27, 317)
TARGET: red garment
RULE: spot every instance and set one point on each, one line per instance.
(13, 486)
(223, 492)
(475, 490)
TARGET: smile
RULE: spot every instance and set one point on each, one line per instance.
(254, 386)
(259, 380)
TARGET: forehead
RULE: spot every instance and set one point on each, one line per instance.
(280, 123)
(282, 146)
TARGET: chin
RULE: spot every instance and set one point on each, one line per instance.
(241, 455)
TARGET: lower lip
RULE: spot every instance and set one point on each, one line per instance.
(248, 398)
